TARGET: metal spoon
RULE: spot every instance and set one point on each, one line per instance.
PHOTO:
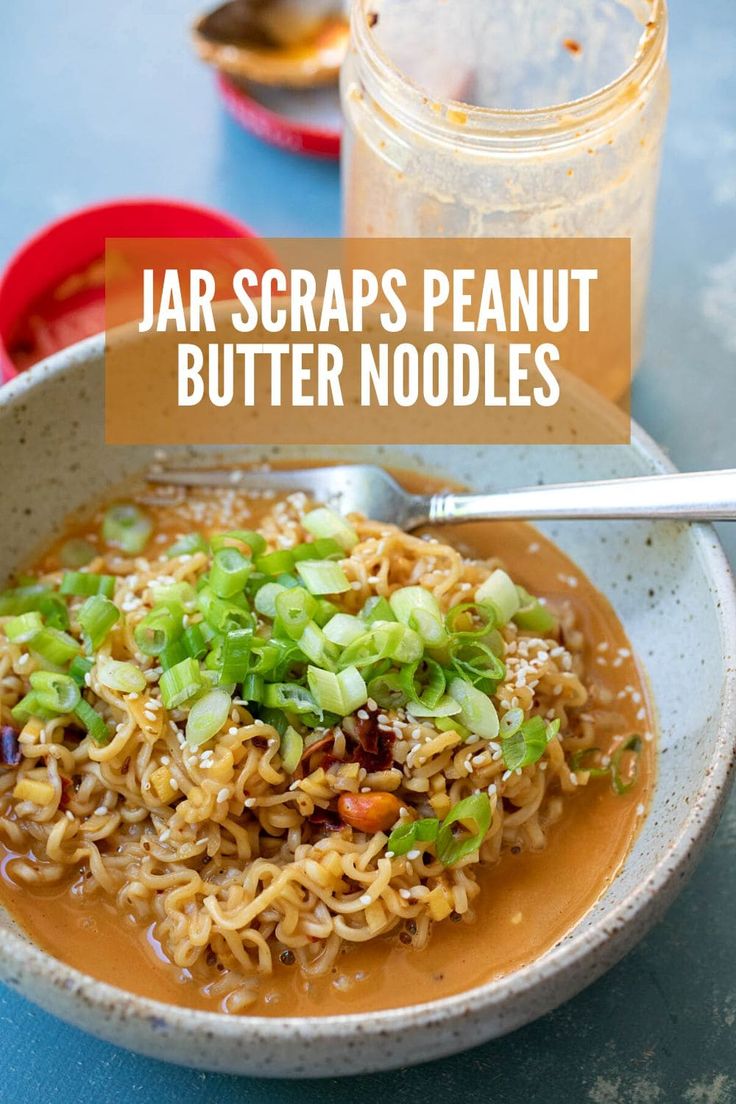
(291, 43)
(369, 490)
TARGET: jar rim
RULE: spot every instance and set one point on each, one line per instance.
(505, 128)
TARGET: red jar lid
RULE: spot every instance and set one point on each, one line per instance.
(300, 121)
(52, 290)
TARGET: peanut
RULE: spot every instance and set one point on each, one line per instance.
(369, 812)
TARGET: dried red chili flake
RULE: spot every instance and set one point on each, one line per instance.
(67, 792)
(375, 744)
(10, 754)
(573, 46)
(326, 818)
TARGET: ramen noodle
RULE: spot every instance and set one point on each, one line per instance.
(270, 736)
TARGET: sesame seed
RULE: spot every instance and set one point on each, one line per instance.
(414, 854)
(366, 899)
(223, 795)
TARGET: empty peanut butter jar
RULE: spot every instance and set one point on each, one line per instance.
(505, 118)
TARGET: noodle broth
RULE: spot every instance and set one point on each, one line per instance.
(532, 887)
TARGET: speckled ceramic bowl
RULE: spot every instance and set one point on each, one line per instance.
(674, 593)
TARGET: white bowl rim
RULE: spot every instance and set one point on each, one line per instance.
(491, 995)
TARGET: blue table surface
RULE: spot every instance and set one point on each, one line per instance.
(104, 99)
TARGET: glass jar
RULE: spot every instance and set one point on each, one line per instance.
(447, 132)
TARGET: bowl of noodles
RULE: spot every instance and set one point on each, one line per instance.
(292, 793)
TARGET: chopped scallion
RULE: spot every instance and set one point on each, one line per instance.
(86, 583)
(180, 683)
(323, 577)
(96, 617)
(55, 692)
(127, 527)
(97, 728)
(291, 749)
(474, 815)
(207, 716)
(324, 522)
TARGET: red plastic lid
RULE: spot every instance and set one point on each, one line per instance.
(299, 121)
(52, 289)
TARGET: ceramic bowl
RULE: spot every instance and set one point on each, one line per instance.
(671, 587)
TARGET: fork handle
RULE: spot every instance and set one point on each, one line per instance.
(689, 496)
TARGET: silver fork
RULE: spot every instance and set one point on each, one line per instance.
(369, 490)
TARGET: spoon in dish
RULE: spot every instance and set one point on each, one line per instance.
(369, 490)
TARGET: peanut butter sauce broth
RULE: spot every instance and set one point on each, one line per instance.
(528, 901)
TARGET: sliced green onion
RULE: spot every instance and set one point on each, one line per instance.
(387, 691)
(23, 628)
(180, 683)
(54, 611)
(631, 750)
(273, 717)
(476, 662)
(533, 616)
(79, 668)
(187, 545)
(294, 609)
(472, 620)
(127, 527)
(384, 640)
(85, 583)
(76, 553)
(224, 614)
(377, 608)
(291, 749)
(353, 689)
(500, 589)
(172, 654)
(55, 692)
(275, 563)
(229, 572)
(253, 687)
(265, 599)
(235, 655)
(96, 617)
(195, 639)
(424, 683)
(474, 814)
(55, 646)
(324, 522)
(207, 716)
(452, 724)
(526, 745)
(323, 577)
(174, 595)
(340, 693)
(116, 675)
(419, 609)
(28, 707)
(254, 542)
(477, 711)
(289, 696)
(22, 599)
(343, 629)
(325, 611)
(511, 722)
(97, 728)
(157, 631)
(316, 647)
(446, 707)
(405, 837)
(323, 549)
